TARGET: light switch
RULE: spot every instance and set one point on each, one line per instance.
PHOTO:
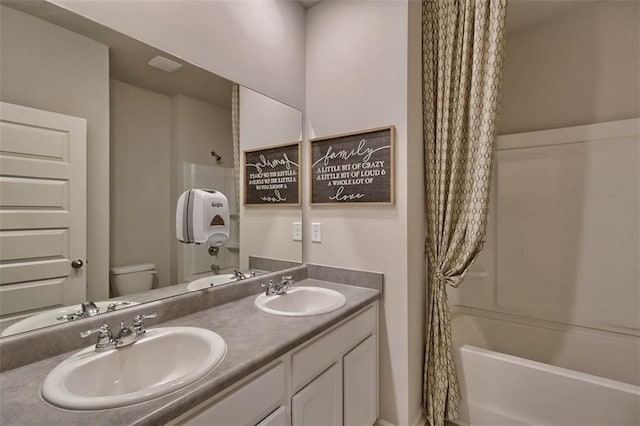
(297, 231)
(316, 232)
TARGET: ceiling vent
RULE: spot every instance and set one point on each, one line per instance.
(164, 64)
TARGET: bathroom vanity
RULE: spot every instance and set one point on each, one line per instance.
(331, 376)
(278, 370)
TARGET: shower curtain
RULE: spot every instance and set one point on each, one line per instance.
(462, 52)
(235, 129)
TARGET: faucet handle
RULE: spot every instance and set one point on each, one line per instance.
(141, 317)
(138, 322)
(113, 306)
(104, 330)
(105, 338)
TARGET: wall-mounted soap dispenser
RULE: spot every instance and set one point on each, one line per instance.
(202, 217)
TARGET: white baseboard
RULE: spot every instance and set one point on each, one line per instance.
(418, 420)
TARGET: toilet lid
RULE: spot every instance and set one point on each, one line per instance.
(128, 269)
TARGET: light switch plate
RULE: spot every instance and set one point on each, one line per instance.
(297, 231)
(316, 232)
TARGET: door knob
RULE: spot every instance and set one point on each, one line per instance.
(77, 264)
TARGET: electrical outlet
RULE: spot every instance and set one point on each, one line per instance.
(316, 232)
(297, 231)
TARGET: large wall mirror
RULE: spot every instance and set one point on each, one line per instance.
(96, 147)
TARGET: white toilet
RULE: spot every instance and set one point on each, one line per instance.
(132, 279)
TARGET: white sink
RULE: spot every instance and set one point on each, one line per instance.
(49, 317)
(301, 301)
(211, 281)
(165, 360)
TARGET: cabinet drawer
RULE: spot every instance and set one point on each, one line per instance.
(249, 404)
(319, 355)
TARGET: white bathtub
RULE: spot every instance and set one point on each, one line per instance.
(499, 389)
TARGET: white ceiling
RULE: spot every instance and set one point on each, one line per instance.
(521, 13)
(128, 58)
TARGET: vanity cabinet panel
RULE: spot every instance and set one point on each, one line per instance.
(310, 361)
(360, 384)
(277, 418)
(320, 402)
(248, 405)
(330, 380)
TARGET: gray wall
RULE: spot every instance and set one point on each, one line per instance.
(140, 146)
(47, 67)
(152, 135)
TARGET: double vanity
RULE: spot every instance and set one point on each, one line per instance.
(231, 355)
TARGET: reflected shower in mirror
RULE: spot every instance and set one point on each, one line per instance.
(98, 143)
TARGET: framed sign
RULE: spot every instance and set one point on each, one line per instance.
(272, 176)
(353, 168)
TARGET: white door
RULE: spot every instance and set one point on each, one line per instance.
(320, 402)
(42, 209)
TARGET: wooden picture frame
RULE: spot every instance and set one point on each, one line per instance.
(271, 175)
(356, 168)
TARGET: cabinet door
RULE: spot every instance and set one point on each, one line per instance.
(361, 384)
(320, 402)
(277, 418)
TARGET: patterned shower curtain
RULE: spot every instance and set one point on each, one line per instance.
(235, 129)
(463, 53)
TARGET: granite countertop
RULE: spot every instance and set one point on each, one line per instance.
(254, 339)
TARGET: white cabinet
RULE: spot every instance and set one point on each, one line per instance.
(320, 402)
(330, 380)
(277, 418)
(360, 376)
(247, 405)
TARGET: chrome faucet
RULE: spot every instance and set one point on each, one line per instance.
(238, 275)
(215, 268)
(278, 288)
(90, 309)
(126, 336)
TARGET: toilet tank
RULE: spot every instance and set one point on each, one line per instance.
(131, 279)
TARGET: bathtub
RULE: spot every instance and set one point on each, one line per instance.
(500, 389)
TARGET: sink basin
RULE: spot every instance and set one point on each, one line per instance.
(49, 317)
(211, 281)
(301, 301)
(165, 360)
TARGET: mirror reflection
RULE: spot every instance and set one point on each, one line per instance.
(101, 134)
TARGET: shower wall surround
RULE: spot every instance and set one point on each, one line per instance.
(563, 243)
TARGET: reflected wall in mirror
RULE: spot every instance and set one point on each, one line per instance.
(69, 85)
